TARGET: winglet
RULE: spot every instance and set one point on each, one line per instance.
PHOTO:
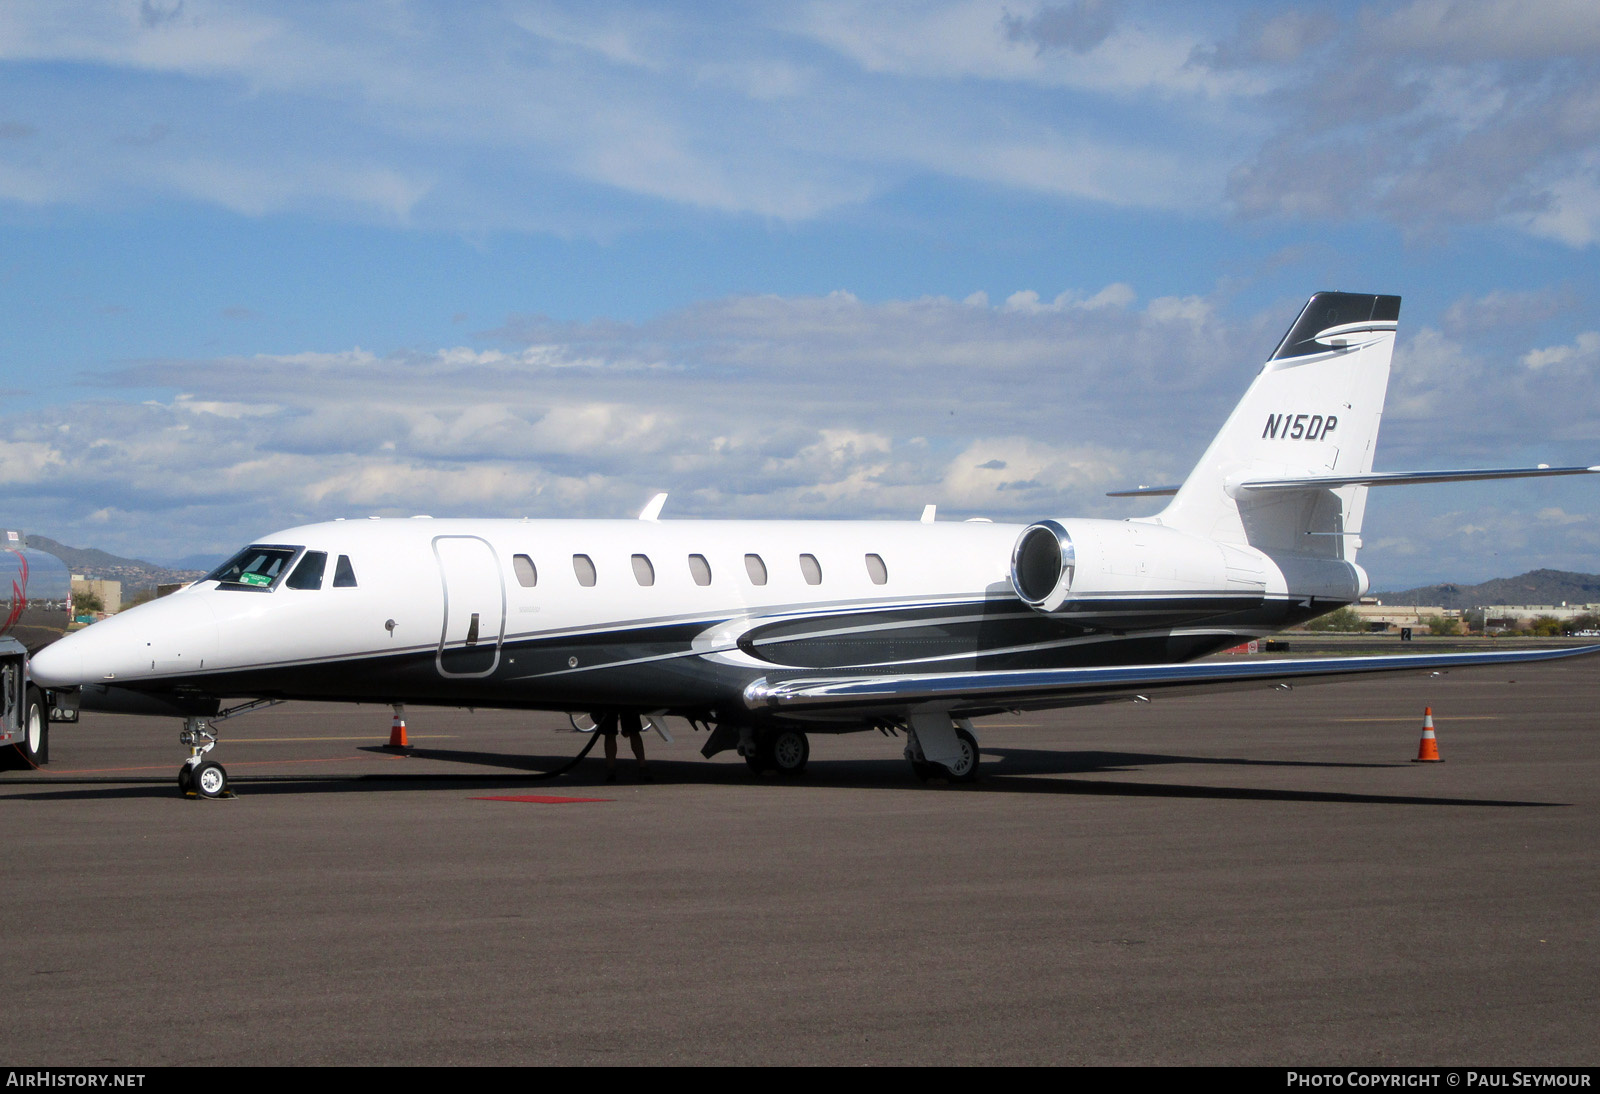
(652, 511)
(927, 513)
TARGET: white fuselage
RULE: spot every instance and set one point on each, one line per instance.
(657, 614)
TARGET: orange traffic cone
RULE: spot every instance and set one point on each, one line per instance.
(397, 730)
(1428, 750)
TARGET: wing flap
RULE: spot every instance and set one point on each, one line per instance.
(1027, 688)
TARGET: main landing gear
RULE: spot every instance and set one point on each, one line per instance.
(941, 749)
(782, 750)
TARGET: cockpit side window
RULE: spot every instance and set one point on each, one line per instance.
(308, 575)
(344, 575)
(257, 567)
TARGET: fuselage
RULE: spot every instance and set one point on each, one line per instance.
(654, 615)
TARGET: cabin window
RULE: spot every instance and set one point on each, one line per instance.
(877, 570)
(583, 566)
(700, 569)
(812, 569)
(756, 569)
(527, 575)
(257, 568)
(643, 572)
(344, 575)
(308, 575)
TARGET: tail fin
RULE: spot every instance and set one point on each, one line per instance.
(1313, 410)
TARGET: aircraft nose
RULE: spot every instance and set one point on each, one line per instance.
(58, 665)
(165, 637)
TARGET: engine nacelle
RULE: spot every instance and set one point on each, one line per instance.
(1042, 564)
(1059, 565)
(1069, 565)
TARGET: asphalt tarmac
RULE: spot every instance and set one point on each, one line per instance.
(1251, 878)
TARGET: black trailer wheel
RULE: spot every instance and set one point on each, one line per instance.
(33, 748)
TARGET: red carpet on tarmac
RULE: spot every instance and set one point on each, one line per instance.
(542, 799)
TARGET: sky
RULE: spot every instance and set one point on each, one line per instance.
(270, 263)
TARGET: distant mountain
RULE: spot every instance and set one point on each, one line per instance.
(135, 574)
(203, 563)
(1548, 587)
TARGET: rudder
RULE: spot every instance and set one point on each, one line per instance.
(1314, 409)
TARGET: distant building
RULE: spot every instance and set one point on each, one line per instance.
(1383, 618)
(1521, 616)
(1495, 617)
(109, 592)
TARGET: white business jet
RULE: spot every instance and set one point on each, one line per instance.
(766, 631)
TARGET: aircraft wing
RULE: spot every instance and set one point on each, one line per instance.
(988, 692)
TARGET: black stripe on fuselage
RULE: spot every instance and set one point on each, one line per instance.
(657, 667)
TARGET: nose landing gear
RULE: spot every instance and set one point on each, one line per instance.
(200, 777)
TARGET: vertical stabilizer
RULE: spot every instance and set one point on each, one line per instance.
(1313, 410)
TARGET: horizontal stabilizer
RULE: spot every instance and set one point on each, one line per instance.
(1412, 478)
(1018, 688)
(1144, 492)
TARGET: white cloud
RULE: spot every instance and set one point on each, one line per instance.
(574, 119)
(1439, 541)
(820, 406)
(1570, 213)
(1436, 116)
(1583, 351)
(745, 406)
(492, 117)
(220, 409)
(1012, 42)
(1473, 29)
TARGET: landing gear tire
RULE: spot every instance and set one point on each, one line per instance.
(965, 769)
(186, 778)
(210, 780)
(34, 748)
(789, 750)
(785, 752)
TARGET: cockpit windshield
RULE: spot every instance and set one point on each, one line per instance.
(258, 567)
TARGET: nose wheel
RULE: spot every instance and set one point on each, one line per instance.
(210, 780)
(200, 777)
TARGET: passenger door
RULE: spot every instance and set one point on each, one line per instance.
(474, 606)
